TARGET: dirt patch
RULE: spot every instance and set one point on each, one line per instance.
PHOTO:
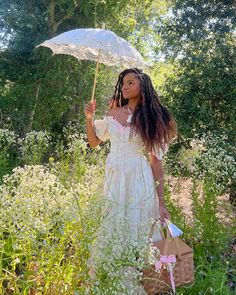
(181, 194)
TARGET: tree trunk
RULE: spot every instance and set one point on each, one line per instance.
(53, 24)
(32, 112)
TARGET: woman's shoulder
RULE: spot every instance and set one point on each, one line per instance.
(113, 112)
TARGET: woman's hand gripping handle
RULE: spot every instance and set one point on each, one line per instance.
(89, 110)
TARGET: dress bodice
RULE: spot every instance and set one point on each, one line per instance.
(122, 146)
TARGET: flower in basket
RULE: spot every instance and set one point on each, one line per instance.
(173, 229)
(152, 254)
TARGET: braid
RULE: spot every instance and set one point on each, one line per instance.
(117, 98)
(151, 119)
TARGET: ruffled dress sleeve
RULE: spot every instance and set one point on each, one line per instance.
(160, 152)
(101, 129)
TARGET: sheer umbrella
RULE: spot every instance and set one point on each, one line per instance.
(102, 46)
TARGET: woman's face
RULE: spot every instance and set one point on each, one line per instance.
(131, 87)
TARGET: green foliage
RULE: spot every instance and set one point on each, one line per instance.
(34, 147)
(191, 22)
(49, 229)
(202, 92)
(8, 151)
(71, 155)
(198, 39)
(209, 236)
(44, 92)
(46, 233)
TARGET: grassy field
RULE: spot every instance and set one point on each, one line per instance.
(51, 207)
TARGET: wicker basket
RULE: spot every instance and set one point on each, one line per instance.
(155, 282)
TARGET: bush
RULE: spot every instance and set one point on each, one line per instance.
(34, 147)
(8, 143)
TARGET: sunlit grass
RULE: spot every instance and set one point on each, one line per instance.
(50, 216)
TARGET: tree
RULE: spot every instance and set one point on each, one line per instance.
(40, 91)
(198, 37)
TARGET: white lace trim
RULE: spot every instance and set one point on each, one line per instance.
(85, 43)
(88, 53)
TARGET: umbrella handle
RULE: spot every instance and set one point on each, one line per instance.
(96, 74)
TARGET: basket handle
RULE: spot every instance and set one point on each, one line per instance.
(166, 239)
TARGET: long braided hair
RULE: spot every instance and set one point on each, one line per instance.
(151, 119)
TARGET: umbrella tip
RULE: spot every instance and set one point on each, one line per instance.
(103, 26)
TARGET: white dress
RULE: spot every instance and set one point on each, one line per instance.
(129, 185)
(130, 195)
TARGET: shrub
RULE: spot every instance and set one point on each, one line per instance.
(34, 147)
(8, 140)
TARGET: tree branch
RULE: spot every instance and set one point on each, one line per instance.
(52, 23)
(57, 24)
(51, 16)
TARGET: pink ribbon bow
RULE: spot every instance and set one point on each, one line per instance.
(164, 259)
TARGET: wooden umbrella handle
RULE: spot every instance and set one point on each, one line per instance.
(96, 74)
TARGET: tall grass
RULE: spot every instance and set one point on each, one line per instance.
(50, 221)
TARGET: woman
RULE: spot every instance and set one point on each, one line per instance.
(140, 129)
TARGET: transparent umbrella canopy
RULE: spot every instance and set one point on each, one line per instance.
(99, 45)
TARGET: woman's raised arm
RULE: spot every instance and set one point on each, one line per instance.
(89, 110)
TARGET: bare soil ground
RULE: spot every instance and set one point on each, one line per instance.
(181, 194)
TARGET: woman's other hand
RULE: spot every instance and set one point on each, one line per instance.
(89, 109)
(164, 213)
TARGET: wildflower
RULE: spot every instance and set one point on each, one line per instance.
(34, 146)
